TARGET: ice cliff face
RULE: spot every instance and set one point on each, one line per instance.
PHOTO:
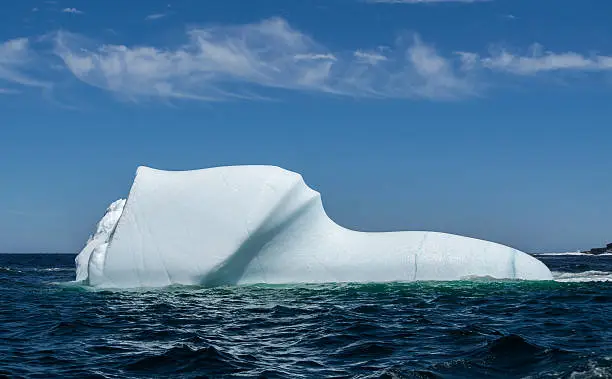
(99, 240)
(263, 224)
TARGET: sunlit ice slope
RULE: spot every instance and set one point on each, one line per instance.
(263, 224)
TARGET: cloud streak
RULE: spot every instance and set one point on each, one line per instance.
(16, 58)
(72, 10)
(223, 62)
(539, 61)
(255, 61)
(156, 16)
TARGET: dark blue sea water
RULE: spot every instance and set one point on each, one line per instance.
(50, 329)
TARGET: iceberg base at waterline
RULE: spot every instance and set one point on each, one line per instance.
(263, 224)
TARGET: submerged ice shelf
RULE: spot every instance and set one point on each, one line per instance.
(263, 224)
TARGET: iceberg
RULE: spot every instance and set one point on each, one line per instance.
(263, 224)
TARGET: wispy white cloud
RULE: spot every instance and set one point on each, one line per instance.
(538, 61)
(246, 61)
(34, 9)
(72, 10)
(155, 16)
(314, 57)
(15, 59)
(371, 58)
(223, 62)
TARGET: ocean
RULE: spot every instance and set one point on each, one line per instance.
(51, 328)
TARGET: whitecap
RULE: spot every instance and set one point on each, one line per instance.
(593, 371)
(574, 253)
(584, 276)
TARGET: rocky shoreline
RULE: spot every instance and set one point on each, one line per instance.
(599, 250)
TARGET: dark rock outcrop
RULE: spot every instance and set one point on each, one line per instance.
(599, 250)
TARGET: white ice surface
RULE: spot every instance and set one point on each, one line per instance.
(99, 240)
(263, 224)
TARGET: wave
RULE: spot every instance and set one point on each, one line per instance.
(574, 253)
(584, 276)
(34, 269)
(55, 269)
(10, 270)
(184, 358)
(593, 370)
(506, 355)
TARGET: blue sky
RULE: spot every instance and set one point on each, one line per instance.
(490, 119)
